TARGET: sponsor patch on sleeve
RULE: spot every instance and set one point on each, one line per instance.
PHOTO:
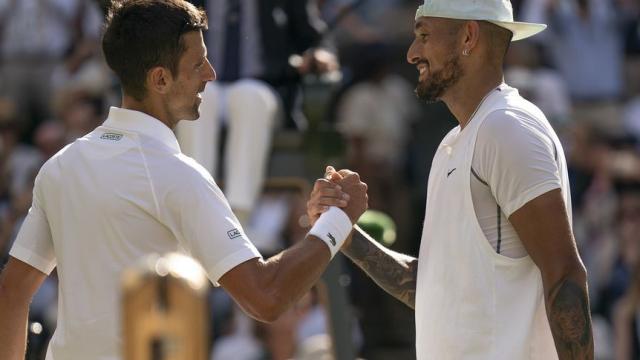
(234, 233)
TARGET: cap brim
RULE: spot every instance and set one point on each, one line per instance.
(521, 30)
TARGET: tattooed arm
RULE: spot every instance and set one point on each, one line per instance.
(394, 272)
(543, 226)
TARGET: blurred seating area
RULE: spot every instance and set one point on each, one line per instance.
(583, 72)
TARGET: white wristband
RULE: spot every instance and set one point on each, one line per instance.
(333, 227)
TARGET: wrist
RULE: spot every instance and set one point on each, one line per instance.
(333, 227)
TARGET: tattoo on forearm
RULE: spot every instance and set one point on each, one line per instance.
(395, 273)
(570, 321)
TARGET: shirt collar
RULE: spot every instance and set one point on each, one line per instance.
(139, 122)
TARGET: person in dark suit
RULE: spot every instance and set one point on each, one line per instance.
(261, 49)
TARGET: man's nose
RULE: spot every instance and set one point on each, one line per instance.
(412, 54)
(211, 74)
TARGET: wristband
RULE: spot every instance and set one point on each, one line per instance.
(333, 227)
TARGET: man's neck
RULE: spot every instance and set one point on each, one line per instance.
(464, 98)
(148, 107)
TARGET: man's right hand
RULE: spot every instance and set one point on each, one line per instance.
(358, 199)
(330, 191)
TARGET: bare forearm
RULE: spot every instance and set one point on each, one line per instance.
(395, 273)
(18, 282)
(294, 271)
(570, 319)
(13, 329)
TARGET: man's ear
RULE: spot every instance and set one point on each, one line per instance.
(159, 80)
(471, 32)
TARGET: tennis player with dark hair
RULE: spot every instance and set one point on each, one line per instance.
(125, 190)
(498, 274)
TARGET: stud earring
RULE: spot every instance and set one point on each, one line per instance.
(465, 52)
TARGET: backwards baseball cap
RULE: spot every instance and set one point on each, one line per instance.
(498, 12)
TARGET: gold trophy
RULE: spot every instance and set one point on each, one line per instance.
(164, 309)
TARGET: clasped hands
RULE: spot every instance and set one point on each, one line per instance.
(338, 188)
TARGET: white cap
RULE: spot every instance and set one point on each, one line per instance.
(498, 12)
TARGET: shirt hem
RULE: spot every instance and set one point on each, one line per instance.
(27, 256)
(230, 262)
(529, 195)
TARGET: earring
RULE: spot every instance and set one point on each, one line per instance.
(465, 52)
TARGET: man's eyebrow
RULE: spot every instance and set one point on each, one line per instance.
(419, 24)
(420, 30)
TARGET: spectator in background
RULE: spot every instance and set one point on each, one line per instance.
(625, 320)
(19, 164)
(79, 112)
(252, 45)
(374, 114)
(35, 36)
(81, 70)
(274, 225)
(366, 21)
(284, 339)
(587, 35)
(539, 84)
(619, 271)
(18, 161)
(50, 137)
(631, 116)
(586, 46)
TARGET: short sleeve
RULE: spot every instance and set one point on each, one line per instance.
(34, 244)
(516, 157)
(205, 226)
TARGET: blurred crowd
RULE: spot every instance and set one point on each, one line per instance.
(583, 72)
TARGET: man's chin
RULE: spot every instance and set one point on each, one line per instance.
(428, 93)
(194, 115)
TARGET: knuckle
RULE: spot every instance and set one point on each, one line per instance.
(330, 201)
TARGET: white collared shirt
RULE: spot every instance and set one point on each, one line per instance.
(121, 192)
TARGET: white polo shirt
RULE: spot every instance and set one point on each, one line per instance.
(472, 301)
(121, 192)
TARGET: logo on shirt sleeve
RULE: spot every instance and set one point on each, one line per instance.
(111, 136)
(234, 233)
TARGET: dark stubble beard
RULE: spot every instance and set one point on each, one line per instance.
(433, 88)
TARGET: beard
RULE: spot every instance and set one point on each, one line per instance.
(195, 111)
(433, 88)
(185, 110)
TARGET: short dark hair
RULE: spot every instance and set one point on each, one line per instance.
(142, 34)
(499, 39)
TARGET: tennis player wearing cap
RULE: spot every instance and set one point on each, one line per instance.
(499, 275)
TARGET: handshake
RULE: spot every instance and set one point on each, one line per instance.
(342, 189)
